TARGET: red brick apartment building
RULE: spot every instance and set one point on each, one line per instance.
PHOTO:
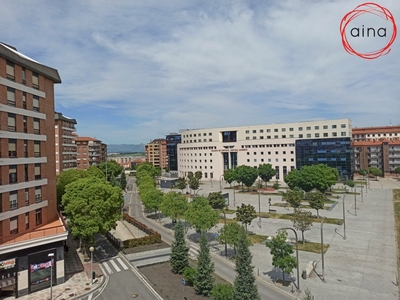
(90, 152)
(377, 147)
(156, 153)
(30, 226)
(65, 143)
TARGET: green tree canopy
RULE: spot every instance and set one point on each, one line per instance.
(231, 234)
(281, 253)
(204, 281)
(181, 183)
(375, 171)
(229, 175)
(112, 168)
(302, 220)
(194, 184)
(174, 205)
(65, 178)
(93, 206)
(216, 200)
(122, 182)
(247, 175)
(266, 172)
(245, 287)
(198, 175)
(294, 197)
(179, 251)
(201, 215)
(246, 214)
(222, 291)
(397, 170)
(316, 200)
(319, 177)
(151, 198)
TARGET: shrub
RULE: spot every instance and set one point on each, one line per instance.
(222, 291)
(190, 275)
(276, 186)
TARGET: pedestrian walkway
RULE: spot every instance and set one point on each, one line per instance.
(126, 231)
(114, 264)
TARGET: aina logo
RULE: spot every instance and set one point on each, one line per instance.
(371, 42)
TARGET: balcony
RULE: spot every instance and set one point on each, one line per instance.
(12, 154)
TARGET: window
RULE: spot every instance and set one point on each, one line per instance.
(26, 197)
(268, 130)
(254, 137)
(248, 160)
(334, 127)
(209, 133)
(291, 136)
(38, 213)
(255, 160)
(308, 128)
(37, 172)
(10, 96)
(210, 140)
(261, 130)
(12, 148)
(316, 127)
(254, 131)
(300, 128)
(35, 103)
(247, 131)
(343, 133)
(325, 134)
(23, 75)
(27, 220)
(300, 136)
(11, 122)
(24, 100)
(262, 153)
(35, 80)
(275, 136)
(36, 149)
(25, 148)
(275, 129)
(342, 125)
(291, 129)
(36, 126)
(12, 174)
(261, 137)
(247, 138)
(10, 71)
(269, 160)
(277, 173)
(276, 159)
(38, 194)
(317, 135)
(25, 125)
(14, 225)
(308, 135)
(334, 133)
(13, 200)
(284, 136)
(325, 127)
(268, 137)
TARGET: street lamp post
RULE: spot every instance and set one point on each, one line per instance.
(344, 218)
(91, 249)
(259, 210)
(355, 201)
(220, 182)
(211, 175)
(297, 255)
(234, 196)
(226, 246)
(322, 249)
(51, 255)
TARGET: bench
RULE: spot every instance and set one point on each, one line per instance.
(272, 210)
(310, 267)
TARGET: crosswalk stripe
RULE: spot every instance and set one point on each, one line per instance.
(122, 264)
(107, 268)
(115, 266)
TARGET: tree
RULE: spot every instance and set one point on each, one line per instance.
(245, 287)
(194, 184)
(302, 220)
(247, 175)
(152, 198)
(205, 267)
(147, 167)
(319, 177)
(216, 200)
(93, 206)
(281, 253)
(181, 183)
(222, 291)
(266, 172)
(230, 234)
(363, 172)
(397, 170)
(65, 178)
(201, 215)
(376, 172)
(294, 197)
(316, 200)
(198, 175)
(229, 176)
(122, 182)
(174, 205)
(112, 168)
(246, 214)
(179, 251)
(190, 175)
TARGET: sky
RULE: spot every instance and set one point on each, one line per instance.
(133, 71)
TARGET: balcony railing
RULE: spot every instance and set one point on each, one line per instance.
(12, 154)
(39, 233)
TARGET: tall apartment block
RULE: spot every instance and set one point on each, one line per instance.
(90, 152)
(285, 146)
(64, 142)
(377, 147)
(32, 234)
(156, 153)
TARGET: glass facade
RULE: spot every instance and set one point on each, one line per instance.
(172, 151)
(228, 136)
(334, 152)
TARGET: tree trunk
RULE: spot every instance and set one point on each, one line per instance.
(302, 234)
(283, 277)
(318, 213)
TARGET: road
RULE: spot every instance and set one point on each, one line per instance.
(223, 268)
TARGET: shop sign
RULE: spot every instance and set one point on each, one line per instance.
(7, 264)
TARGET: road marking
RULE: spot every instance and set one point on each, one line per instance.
(107, 268)
(122, 264)
(115, 265)
(90, 296)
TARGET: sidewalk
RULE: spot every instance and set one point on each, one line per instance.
(77, 278)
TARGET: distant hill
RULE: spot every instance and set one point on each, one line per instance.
(125, 148)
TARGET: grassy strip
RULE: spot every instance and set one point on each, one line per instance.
(257, 238)
(289, 217)
(311, 247)
(228, 221)
(229, 211)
